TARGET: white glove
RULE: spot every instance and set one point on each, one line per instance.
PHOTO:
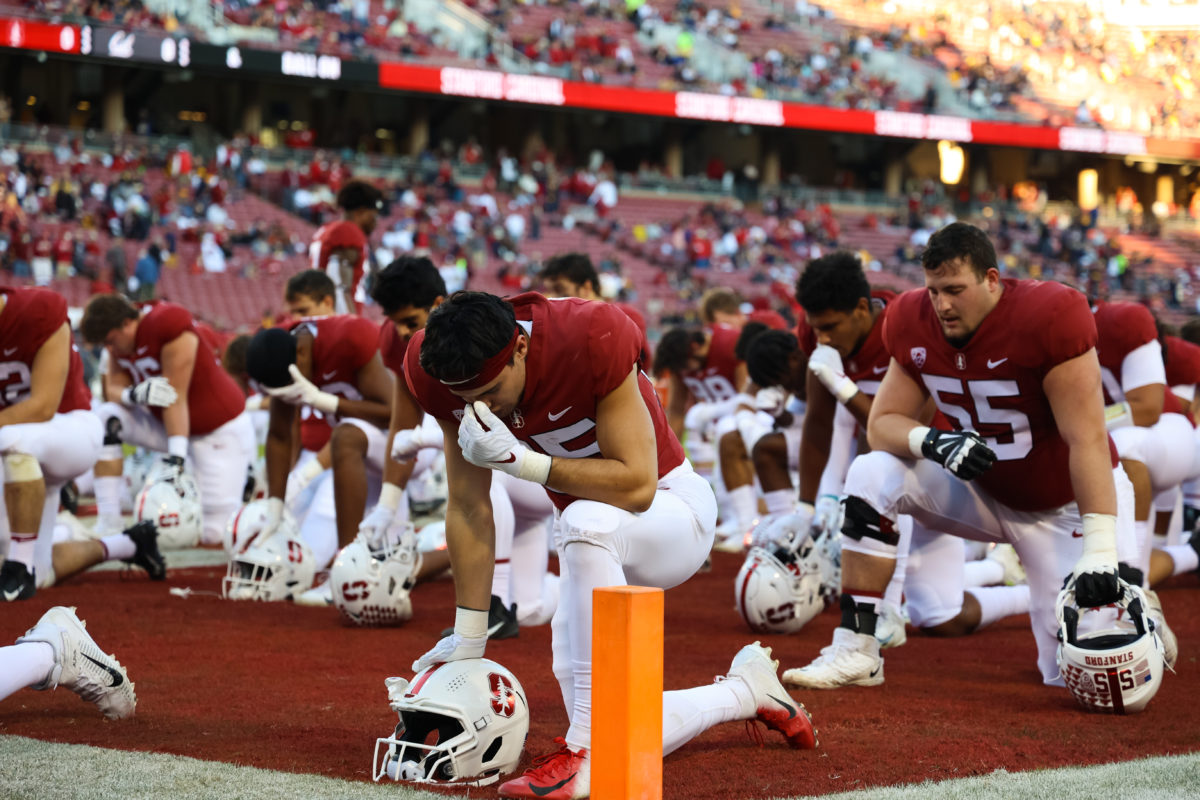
(1095, 573)
(468, 640)
(772, 530)
(487, 442)
(302, 391)
(375, 524)
(829, 513)
(157, 392)
(270, 524)
(700, 416)
(771, 400)
(299, 479)
(408, 443)
(826, 364)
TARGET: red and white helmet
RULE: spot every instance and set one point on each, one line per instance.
(779, 590)
(174, 508)
(371, 585)
(276, 569)
(1117, 666)
(461, 723)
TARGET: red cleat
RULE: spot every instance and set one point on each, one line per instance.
(776, 709)
(562, 775)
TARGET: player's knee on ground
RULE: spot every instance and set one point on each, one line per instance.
(21, 468)
(590, 522)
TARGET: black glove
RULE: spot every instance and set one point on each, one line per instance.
(169, 469)
(964, 453)
(1094, 589)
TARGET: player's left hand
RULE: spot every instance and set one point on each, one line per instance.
(302, 391)
(452, 648)
(487, 442)
(795, 526)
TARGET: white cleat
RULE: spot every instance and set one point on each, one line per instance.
(80, 664)
(852, 660)
(318, 596)
(1006, 556)
(1155, 612)
(889, 626)
(775, 708)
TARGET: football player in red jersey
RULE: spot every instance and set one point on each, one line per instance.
(549, 391)
(341, 248)
(1015, 361)
(166, 391)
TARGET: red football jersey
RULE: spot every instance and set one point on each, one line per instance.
(391, 347)
(338, 236)
(716, 380)
(993, 384)
(1122, 328)
(213, 396)
(30, 317)
(342, 345)
(1182, 361)
(644, 361)
(315, 429)
(579, 352)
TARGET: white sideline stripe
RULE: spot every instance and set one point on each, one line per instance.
(33, 769)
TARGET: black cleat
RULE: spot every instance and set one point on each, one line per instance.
(502, 622)
(68, 497)
(16, 582)
(148, 557)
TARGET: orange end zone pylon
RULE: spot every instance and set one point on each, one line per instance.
(627, 685)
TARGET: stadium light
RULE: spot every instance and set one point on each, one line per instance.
(953, 162)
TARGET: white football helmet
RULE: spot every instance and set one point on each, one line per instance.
(779, 590)
(432, 537)
(174, 508)
(427, 491)
(371, 585)
(461, 723)
(1118, 667)
(277, 569)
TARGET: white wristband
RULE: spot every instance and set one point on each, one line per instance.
(1100, 536)
(390, 496)
(177, 446)
(916, 437)
(311, 469)
(470, 623)
(325, 402)
(535, 467)
(127, 396)
(846, 389)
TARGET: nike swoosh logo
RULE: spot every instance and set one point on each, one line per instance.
(555, 417)
(328, 375)
(875, 671)
(542, 791)
(1076, 535)
(493, 628)
(994, 364)
(879, 370)
(8, 351)
(11, 596)
(511, 458)
(116, 676)
(791, 709)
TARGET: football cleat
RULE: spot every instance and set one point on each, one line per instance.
(16, 582)
(776, 709)
(502, 622)
(889, 626)
(1154, 610)
(852, 660)
(564, 774)
(80, 665)
(318, 596)
(145, 537)
(1006, 556)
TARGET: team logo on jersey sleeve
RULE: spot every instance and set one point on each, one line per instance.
(918, 356)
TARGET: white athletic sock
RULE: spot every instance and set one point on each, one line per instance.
(983, 572)
(780, 501)
(1185, 558)
(745, 506)
(23, 550)
(687, 713)
(118, 547)
(502, 581)
(1143, 531)
(997, 602)
(25, 664)
(108, 496)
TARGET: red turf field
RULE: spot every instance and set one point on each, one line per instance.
(289, 688)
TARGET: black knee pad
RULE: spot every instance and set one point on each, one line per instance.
(112, 430)
(862, 520)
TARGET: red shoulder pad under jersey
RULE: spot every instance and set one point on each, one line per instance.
(772, 319)
(1182, 361)
(163, 323)
(579, 352)
(342, 345)
(716, 380)
(993, 383)
(391, 347)
(30, 317)
(868, 365)
(1123, 328)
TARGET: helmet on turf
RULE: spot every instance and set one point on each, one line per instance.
(371, 585)
(461, 722)
(279, 568)
(778, 590)
(174, 508)
(1117, 665)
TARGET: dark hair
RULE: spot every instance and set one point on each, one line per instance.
(464, 332)
(750, 331)
(311, 283)
(767, 357)
(1190, 330)
(575, 267)
(960, 240)
(832, 283)
(234, 359)
(270, 353)
(674, 349)
(103, 314)
(719, 299)
(408, 281)
(359, 194)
